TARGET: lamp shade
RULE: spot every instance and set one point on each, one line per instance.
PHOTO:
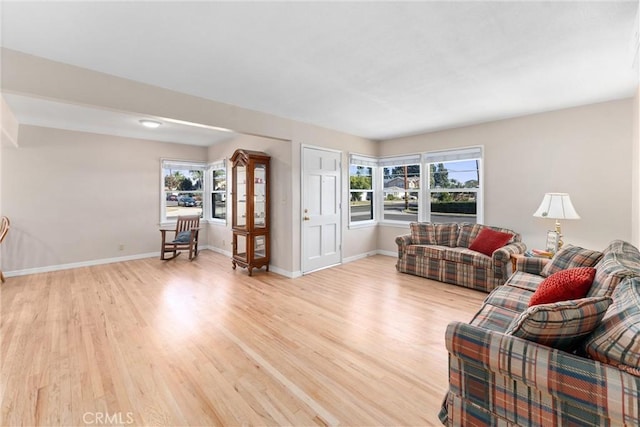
(556, 206)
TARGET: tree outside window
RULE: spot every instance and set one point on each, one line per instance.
(361, 193)
(453, 190)
(182, 191)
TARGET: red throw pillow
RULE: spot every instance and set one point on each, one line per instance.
(570, 284)
(488, 240)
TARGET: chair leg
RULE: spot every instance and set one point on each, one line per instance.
(1, 276)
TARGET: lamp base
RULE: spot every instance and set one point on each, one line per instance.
(559, 231)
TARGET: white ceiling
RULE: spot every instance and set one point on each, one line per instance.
(374, 69)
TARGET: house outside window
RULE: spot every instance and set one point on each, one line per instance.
(182, 184)
(454, 186)
(401, 188)
(219, 191)
(361, 189)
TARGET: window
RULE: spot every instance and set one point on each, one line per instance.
(219, 191)
(401, 188)
(182, 189)
(454, 185)
(361, 173)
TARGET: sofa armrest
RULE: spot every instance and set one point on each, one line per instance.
(502, 258)
(402, 242)
(532, 264)
(587, 384)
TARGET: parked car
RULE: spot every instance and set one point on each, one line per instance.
(172, 198)
(187, 201)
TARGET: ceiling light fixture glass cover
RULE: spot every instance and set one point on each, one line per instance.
(151, 124)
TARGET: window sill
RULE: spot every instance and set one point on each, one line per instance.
(363, 224)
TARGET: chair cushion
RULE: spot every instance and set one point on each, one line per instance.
(560, 325)
(573, 283)
(571, 257)
(182, 237)
(616, 340)
(489, 240)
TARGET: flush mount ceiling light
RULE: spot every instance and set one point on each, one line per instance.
(151, 124)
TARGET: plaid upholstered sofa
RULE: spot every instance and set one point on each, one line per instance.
(442, 252)
(577, 363)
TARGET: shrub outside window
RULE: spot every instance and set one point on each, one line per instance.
(453, 191)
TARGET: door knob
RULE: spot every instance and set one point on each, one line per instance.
(306, 218)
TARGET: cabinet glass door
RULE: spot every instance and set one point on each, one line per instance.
(241, 189)
(260, 247)
(240, 246)
(260, 195)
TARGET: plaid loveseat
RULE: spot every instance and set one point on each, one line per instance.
(441, 252)
(497, 378)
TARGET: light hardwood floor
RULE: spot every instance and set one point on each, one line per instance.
(148, 342)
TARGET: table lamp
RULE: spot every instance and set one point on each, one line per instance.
(557, 206)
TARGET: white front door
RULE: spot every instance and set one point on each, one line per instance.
(321, 177)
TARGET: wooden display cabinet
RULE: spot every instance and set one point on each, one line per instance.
(250, 199)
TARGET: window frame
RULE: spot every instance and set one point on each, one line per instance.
(397, 161)
(219, 165)
(453, 155)
(358, 160)
(181, 165)
(424, 192)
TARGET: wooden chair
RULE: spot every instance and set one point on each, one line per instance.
(185, 237)
(5, 224)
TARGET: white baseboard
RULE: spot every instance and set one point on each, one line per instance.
(368, 254)
(387, 253)
(280, 271)
(49, 268)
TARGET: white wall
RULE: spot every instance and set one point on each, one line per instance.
(9, 129)
(524, 158)
(635, 167)
(75, 197)
(584, 151)
(33, 76)
(280, 192)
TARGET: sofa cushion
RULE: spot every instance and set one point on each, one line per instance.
(427, 251)
(494, 317)
(572, 283)
(560, 325)
(523, 280)
(468, 233)
(446, 234)
(571, 257)
(619, 261)
(489, 240)
(510, 297)
(422, 233)
(467, 256)
(617, 339)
